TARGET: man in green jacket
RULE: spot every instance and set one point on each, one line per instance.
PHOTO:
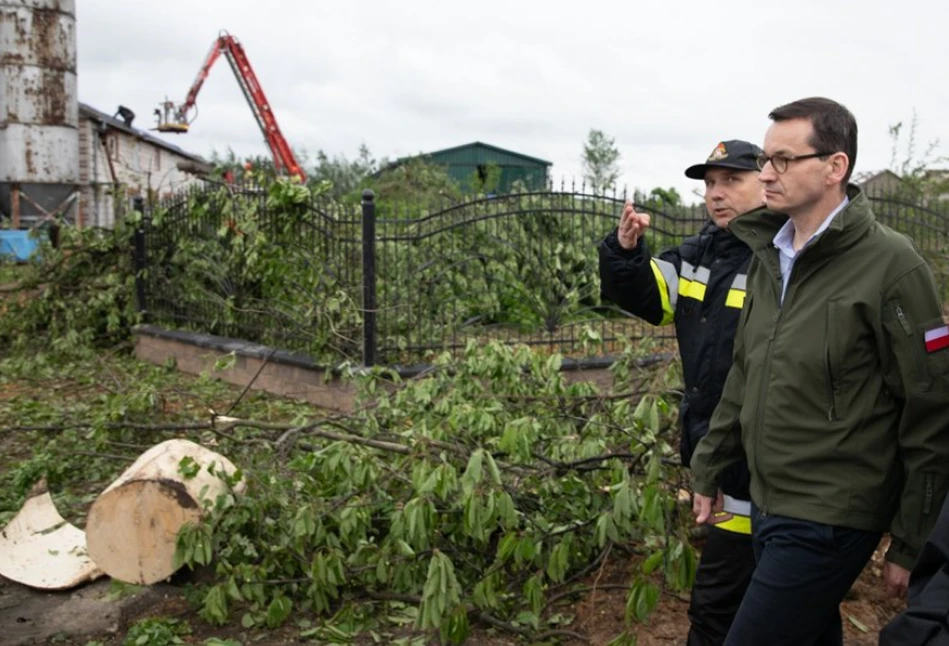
(839, 392)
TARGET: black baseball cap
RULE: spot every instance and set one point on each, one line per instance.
(737, 154)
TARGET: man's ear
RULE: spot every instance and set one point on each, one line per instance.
(839, 163)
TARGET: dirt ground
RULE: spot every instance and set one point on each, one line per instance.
(600, 614)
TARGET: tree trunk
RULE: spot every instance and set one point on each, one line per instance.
(133, 525)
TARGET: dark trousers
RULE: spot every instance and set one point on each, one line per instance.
(804, 570)
(728, 560)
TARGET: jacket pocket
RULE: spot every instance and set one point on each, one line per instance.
(833, 364)
(928, 494)
(747, 306)
(743, 322)
(929, 505)
(917, 347)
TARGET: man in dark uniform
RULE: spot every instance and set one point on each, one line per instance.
(700, 287)
(926, 618)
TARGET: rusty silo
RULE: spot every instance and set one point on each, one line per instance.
(39, 110)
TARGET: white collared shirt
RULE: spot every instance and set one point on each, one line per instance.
(784, 242)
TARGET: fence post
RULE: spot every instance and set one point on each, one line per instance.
(369, 277)
(138, 257)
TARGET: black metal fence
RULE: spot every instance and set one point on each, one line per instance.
(227, 261)
(395, 283)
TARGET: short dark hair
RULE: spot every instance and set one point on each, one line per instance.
(835, 127)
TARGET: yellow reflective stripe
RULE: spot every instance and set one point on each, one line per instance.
(667, 296)
(735, 298)
(691, 289)
(693, 280)
(736, 524)
(697, 291)
(684, 286)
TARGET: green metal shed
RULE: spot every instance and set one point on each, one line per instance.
(470, 161)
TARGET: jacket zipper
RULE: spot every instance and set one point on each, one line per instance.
(908, 331)
(928, 500)
(832, 410)
(766, 377)
(904, 323)
(828, 367)
(762, 401)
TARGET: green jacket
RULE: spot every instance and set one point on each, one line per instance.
(841, 411)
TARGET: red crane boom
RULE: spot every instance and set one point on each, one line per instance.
(172, 118)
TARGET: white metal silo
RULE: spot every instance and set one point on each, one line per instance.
(39, 110)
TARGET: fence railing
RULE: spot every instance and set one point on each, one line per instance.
(384, 283)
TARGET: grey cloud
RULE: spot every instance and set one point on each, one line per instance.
(667, 80)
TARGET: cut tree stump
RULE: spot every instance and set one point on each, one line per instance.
(133, 525)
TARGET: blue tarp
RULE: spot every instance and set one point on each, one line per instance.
(19, 245)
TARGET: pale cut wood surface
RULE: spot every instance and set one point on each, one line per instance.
(133, 525)
(40, 549)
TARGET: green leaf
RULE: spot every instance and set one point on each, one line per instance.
(859, 625)
(622, 504)
(226, 362)
(642, 600)
(527, 618)
(655, 470)
(493, 469)
(534, 593)
(685, 564)
(605, 529)
(624, 639)
(404, 548)
(382, 572)
(441, 591)
(188, 467)
(214, 608)
(507, 545)
(526, 550)
(456, 629)
(473, 474)
(474, 518)
(559, 560)
(485, 593)
(654, 561)
(278, 611)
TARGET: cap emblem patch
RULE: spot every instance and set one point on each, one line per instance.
(719, 153)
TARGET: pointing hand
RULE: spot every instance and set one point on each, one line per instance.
(632, 225)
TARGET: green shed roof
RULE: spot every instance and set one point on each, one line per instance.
(467, 165)
(495, 149)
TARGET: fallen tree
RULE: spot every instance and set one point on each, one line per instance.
(481, 492)
(487, 491)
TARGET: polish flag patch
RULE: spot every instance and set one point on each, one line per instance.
(937, 338)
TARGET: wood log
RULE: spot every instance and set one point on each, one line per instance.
(40, 549)
(133, 525)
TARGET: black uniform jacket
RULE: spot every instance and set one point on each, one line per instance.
(700, 287)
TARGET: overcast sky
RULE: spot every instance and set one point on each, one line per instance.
(667, 79)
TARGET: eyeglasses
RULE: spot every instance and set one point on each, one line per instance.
(780, 162)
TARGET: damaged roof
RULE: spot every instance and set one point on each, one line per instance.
(87, 111)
